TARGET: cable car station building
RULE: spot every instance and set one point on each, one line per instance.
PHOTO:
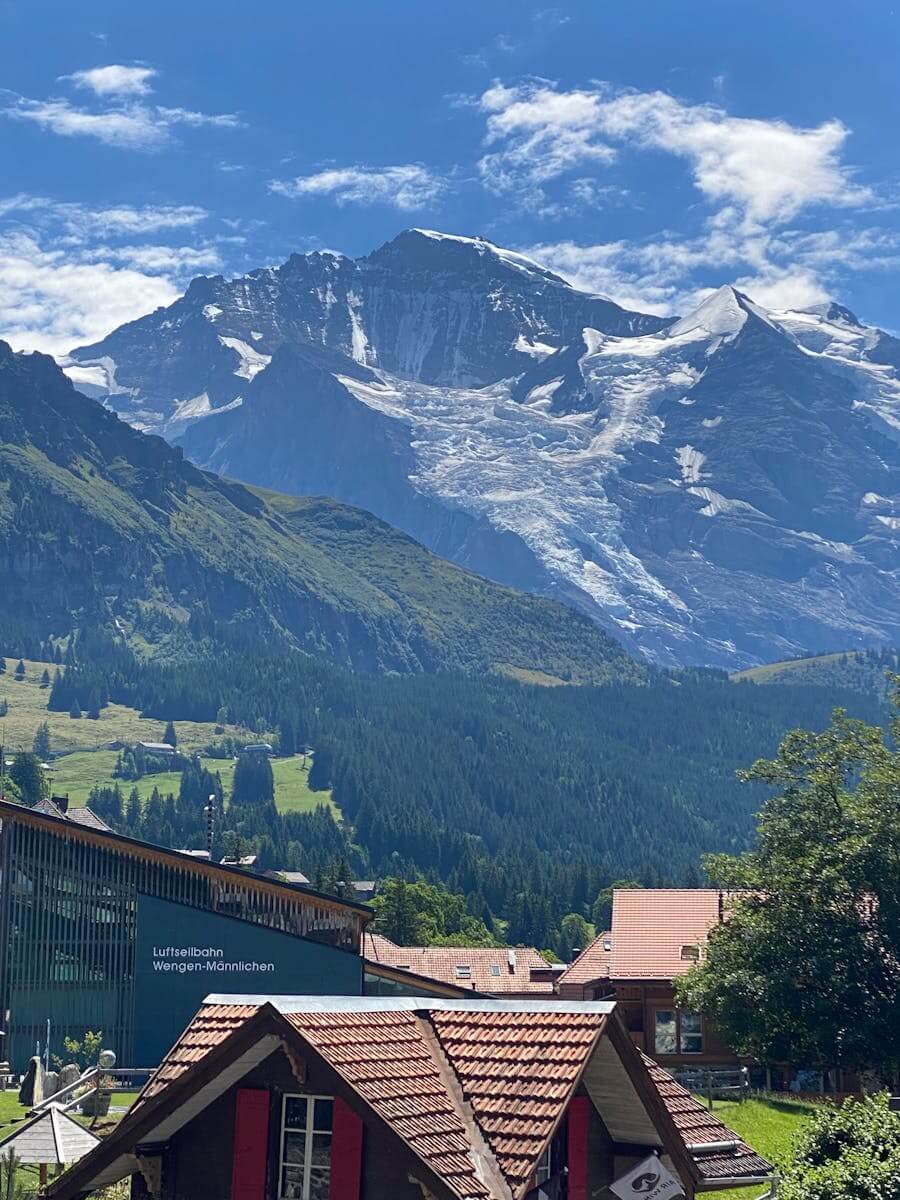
(102, 932)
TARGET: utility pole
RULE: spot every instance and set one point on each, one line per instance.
(210, 820)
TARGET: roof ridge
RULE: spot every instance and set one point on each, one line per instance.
(482, 1155)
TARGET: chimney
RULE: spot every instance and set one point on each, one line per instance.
(576, 953)
(511, 961)
(61, 802)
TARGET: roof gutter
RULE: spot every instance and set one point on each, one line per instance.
(721, 1182)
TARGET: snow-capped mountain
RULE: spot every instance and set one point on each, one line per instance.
(452, 311)
(722, 489)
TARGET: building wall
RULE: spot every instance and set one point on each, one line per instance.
(636, 1003)
(69, 926)
(197, 1162)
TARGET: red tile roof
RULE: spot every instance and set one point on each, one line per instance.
(209, 1028)
(651, 925)
(494, 972)
(698, 1126)
(443, 1074)
(517, 1071)
(387, 1058)
(592, 963)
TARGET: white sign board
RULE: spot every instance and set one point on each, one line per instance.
(649, 1180)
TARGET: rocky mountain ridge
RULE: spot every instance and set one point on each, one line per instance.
(722, 489)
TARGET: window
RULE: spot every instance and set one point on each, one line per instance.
(690, 952)
(677, 1032)
(666, 1036)
(691, 1033)
(544, 1167)
(495, 969)
(305, 1147)
(463, 972)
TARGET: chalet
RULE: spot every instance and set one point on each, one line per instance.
(159, 749)
(657, 935)
(511, 972)
(302, 1098)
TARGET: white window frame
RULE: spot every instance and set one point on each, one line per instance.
(309, 1132)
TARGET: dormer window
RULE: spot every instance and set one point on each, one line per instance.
(463, 972)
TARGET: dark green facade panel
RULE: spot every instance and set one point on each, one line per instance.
(77, 911)
(182, 955)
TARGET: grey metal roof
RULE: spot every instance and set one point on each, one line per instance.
(52, 1137)
(299, 1004)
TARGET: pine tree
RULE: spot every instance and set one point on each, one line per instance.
(75, 711)
(41, 745)
(28, 777)
(45, 678)
(20, 670)
(170, 737)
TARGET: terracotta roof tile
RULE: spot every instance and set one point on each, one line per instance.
(697, 1125)
(592, 963)
(493, 972)
(651, 925)
(387, 1058)
(209, 1028)
(515, 1069)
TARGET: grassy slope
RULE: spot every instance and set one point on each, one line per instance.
(28, 708)
(85, 765)
(797, 668)
(844, 669)
(75, 775)
(768, 1124)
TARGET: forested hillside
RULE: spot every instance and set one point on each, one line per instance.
(528, 800)
(101, 525)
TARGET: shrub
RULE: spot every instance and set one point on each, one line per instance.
(847, 1153)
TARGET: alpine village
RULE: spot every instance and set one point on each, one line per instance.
(449, 601)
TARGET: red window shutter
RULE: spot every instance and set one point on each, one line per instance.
(251, 1144)
(346, 1153)
(577, 1148)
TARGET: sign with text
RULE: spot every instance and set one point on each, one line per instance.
(649, 1180)
(182, 954)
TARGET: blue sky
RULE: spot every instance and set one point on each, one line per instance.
(649, 152)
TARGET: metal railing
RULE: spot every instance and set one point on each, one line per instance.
(715, 1083)
(92, 1081)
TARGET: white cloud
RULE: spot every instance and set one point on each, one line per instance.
(130, 125)
(114, 80)
(765, 170)
(668, 275)
(69, 274)
(540, 134)
(49, 302)
(174, 261)
(549, 147)
(187, 116)
(405, 187)
(82, 222)
(770, 169)
(133, 128)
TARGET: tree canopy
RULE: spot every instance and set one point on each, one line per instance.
(806, 969)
